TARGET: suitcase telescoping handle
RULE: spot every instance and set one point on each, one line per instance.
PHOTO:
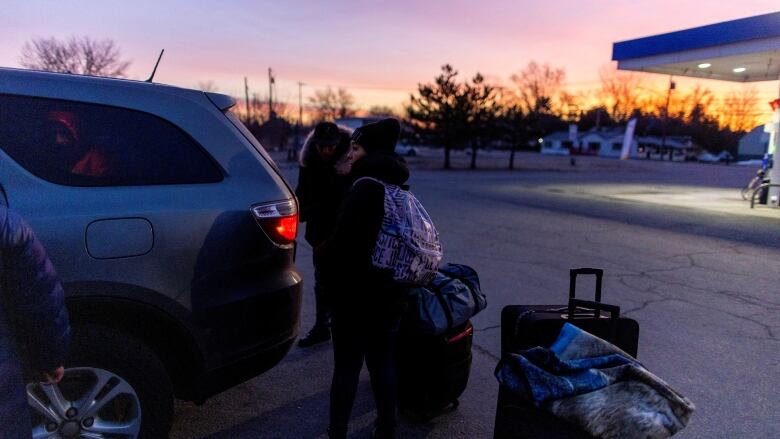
(573, 280)
(614, 314)
(613, 310)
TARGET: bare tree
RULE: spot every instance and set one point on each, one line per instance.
(83, 55)
(345, 101)
(697, 105)
(621, 93)
(324, 103)
(209, 86)
(284, 110)
(539, 88)
(540, 98)
(330, 104)
(381, 111)
(739, 110)
(569, 104)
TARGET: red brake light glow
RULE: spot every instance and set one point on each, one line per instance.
(279, 220)
(287, 227)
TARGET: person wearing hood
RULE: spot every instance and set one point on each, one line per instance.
(367, 302)
(321, 186)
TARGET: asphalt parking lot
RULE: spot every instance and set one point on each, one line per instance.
(683, 254)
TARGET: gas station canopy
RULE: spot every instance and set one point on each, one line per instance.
(744, 50)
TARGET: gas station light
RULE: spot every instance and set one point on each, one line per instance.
(705, 65)
(739, 70)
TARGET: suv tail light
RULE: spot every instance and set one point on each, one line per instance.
(279, 220)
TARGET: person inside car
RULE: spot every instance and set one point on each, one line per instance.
(70, 150)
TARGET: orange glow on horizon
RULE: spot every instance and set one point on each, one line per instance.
(650, 94)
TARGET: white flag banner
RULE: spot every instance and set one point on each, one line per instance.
(628, 139)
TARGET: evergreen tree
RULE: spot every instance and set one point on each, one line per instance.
(437, 112)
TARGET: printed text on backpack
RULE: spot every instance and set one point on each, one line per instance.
(408, 243)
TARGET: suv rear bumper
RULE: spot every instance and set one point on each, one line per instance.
(247, 337)
(248, 367)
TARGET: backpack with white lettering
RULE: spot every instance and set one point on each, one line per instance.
(408, 243)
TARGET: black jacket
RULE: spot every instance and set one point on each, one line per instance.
(360, 290)
(33, 319)
(319, 191)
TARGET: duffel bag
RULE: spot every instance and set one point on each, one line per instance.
(468, 276)
(453, 297)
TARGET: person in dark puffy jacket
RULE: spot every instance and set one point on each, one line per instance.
(33, 321)
(320, 189)
(367, 302)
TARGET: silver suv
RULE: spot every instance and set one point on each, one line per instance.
(173, 232)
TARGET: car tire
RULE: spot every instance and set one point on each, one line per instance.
(113, 353)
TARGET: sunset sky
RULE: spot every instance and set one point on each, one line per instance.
(379, 51)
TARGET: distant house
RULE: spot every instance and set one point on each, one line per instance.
(558, 143)
(674, 148)
(591, 143)
(603, 143)
(609, 143)
(754, 144)
(606, 143)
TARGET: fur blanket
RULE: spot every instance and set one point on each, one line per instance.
(596, 386)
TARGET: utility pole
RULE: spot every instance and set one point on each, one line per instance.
(300, 104)
(299, 125)
(255, 103)
(598, 119)
(270, 94)
(666, 116)
(246, 98)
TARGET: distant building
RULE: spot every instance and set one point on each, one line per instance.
(674, 148)
(558, 143)
(606, 143)
(609, 143)
(754, 144)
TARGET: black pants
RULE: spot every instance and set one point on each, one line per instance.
(352, 342)
(322, 299)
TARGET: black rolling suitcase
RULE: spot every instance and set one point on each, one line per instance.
(433, 370)
(527, 326)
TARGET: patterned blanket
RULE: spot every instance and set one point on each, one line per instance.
(593, 384)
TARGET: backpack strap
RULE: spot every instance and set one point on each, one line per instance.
(370, 179)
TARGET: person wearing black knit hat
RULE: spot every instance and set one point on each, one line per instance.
(367, 302)
(378, 136)
(319, 191)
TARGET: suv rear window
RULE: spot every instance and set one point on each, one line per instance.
(80, 144)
